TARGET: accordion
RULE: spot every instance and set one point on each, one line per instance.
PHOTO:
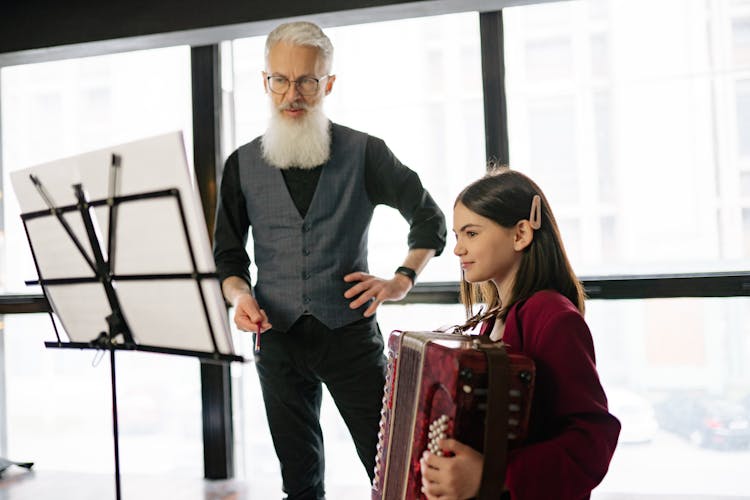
(447, 385)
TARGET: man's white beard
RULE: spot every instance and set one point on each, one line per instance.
(304, 142)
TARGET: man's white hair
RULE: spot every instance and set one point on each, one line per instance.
(306, 34)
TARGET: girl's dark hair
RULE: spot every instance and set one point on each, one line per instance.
(505, 196)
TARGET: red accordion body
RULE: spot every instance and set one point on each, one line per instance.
(440, 381)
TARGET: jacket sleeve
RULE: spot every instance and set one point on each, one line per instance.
(578, 435)
(232, 225)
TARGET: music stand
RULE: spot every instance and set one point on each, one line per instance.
(121, 250)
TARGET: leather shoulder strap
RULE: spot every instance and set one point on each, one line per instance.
(496, 424)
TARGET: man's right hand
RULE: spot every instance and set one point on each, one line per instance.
(247, 314)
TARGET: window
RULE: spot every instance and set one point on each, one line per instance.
(650, 181)
(58, 401)
(634, 130)
(676, 376)
(421, 92)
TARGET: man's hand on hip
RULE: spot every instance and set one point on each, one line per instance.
(372, 287)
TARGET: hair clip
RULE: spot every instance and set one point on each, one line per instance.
(535, 217)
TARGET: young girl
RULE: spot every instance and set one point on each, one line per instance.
(513, 260)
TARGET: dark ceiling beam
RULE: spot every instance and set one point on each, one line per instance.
(40, 30)
(34, 24)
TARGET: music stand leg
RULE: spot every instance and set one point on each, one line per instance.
(113, 377)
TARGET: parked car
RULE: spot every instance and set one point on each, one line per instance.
(705, 420)
(636, 414)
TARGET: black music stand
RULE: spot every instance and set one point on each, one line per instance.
(119, 308)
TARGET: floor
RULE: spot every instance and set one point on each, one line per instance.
(42, 485)
(39, 485)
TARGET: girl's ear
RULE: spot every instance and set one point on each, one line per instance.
(523, 235)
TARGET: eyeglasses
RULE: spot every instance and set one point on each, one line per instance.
(307, 85)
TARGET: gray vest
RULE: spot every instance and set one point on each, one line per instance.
(302, 262)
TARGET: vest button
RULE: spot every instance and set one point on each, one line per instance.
(305, 228)
(305, 251)
(306, 299)
(305, 275)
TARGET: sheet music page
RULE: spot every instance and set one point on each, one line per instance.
(150, 239)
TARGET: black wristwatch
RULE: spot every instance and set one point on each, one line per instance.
(408, 272)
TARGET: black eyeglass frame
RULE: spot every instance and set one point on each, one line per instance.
(295, 82)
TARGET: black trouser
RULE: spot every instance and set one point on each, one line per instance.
(291, 367)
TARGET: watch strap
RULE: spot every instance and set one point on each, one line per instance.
(408, 272)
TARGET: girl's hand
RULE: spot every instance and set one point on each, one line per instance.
(452, 478)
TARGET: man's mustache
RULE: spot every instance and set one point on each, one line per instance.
(292, 105)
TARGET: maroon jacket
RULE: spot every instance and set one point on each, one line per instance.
(572, 435)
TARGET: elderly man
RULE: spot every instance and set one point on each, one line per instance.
(307, 188)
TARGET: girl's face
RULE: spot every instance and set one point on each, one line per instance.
(488, 251)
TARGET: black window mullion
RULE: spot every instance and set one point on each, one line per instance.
(493, 84)
(666, 286)
(216, 388)
(206, 85)
(703, 285)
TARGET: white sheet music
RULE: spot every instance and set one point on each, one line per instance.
(150, 239)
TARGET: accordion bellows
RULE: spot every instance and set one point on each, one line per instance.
(437, 386)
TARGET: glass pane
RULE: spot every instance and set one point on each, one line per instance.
(421, 92)
(552, 139)
(549, 58)
(743, 119)
(741, 38)
(676, 375)
(60, 412)
(57, 109)
(631, 141)
(599, 55)
(58, 400)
